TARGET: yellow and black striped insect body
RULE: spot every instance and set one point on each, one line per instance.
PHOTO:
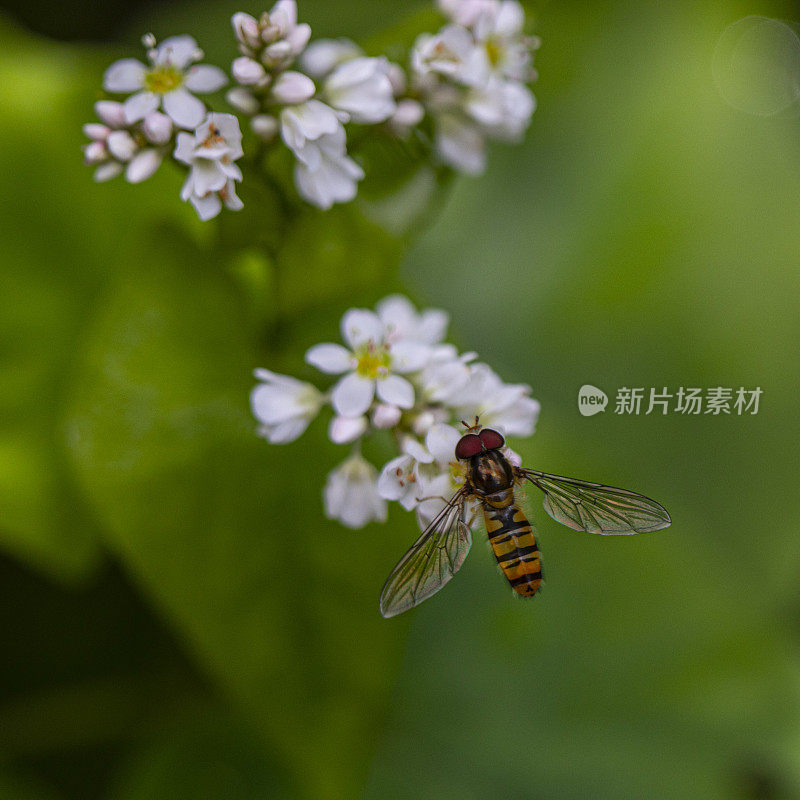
(490, 481)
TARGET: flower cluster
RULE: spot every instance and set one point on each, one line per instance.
(464, 85)
(471, 77)
(395, 373)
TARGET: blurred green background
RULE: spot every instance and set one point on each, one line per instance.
(178, 619)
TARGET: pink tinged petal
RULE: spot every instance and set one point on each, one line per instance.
(185, 109)
(396, 390)
(138, 106)
(353, 395)
(293, 87)
(409, 356)
(94, 153)
(343, 430)
(204, 78)
(143, 165)
(246, 29)
(441, 440)
(110, 112)
(360, 326)
(206, 207)
(180, 51)
(243, 100)
(157, 127)
(331, 358)
(385, 416)
(94, 130)
(285, 432)
(105, 172)
(298, 37)
(121, 145)
(126, 75)
(247, 71)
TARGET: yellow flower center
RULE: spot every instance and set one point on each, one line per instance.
(373, 360)
(163, 78)
(494, 51)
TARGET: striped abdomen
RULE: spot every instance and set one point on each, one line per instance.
(513, 542)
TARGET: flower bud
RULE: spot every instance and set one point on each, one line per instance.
(292, 88)
(264, 126)
(397, 78)
(96, 131)
(385, 416)
(247, 71)
(143, 165)
(246, 29)
(105, 172)
(157, 128)
(111, 113)
(242, 100)
(408, 114)
(94, 153)
(276, 53)
(346, 429)
(121, 145)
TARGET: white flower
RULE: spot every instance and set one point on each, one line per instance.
(507, 407)
(361, 89)
(210, 153)
(167, 82)
(371, 365)
(284, 406)
(306, 123)
(445, 376)
(351, 494)
(451, 53)
(275, 38)
(324, 173)
(502, 107)
(321, 57)
(398, 481)
(497, 26)
(403, 321)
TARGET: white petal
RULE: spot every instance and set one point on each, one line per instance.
(360, 326)
(441, 440)
(417, 451)
(396, 390)
(389, 486)
(432, 326)
(110, 112)
(331, 358)
(206, 207)
(285, 432)
(409, 356)
(143, 165)
(343, 430)
(139, 105)
(321, 56)
(185, 109)
(292, 88)
(460, 145)
(126, 75)
(352, 395)
(204, 78)
(180, 51)
(207, 176)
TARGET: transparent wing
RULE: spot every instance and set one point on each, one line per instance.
(595, 508)
(432, 560)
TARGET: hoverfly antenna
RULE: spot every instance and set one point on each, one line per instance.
(464, 424)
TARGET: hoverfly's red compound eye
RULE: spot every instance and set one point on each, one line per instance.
(491, 439)
(468, 446)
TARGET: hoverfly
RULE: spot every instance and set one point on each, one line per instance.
(490, 481)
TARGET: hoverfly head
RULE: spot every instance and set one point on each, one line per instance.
(471, 444)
